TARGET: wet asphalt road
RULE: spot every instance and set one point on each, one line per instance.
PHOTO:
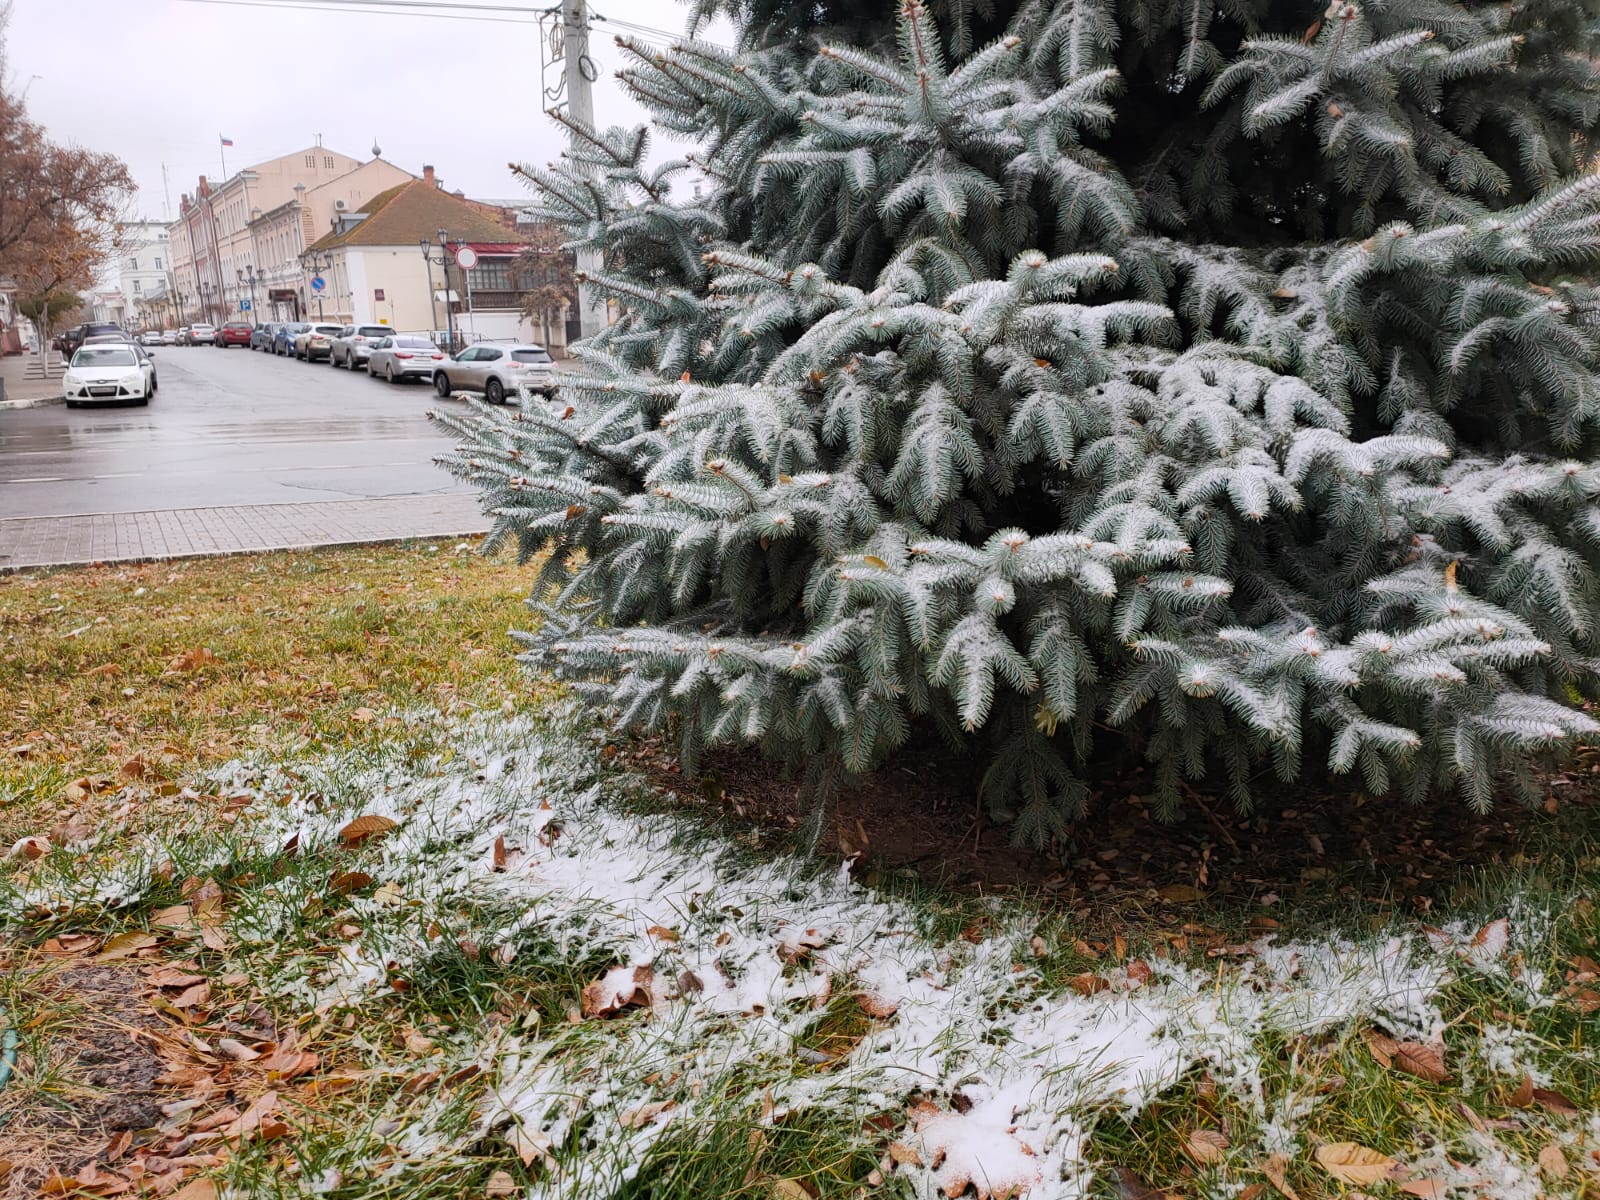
(225, 427)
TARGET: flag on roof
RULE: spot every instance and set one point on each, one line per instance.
(225, 141)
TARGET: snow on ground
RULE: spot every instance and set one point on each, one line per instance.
(724, 962)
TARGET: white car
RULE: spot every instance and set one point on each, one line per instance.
(107, 373)
(169, 337)
(150, 337)
(202, 335)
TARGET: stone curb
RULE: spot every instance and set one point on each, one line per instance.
(36, 402)
(300, 547)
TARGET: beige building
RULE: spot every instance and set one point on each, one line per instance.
(212, 242)
(384, 264)
(279, 235)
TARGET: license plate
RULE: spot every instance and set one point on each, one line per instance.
(102, 391)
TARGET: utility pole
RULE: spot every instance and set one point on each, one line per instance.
(581, 73)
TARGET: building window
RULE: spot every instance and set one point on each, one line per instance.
(328, 163)
(491, 275)
(136, 288)
(133, 264)
(311, 160)
(158, 263)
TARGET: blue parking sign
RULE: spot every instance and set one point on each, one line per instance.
(244, 306)
(318, 283)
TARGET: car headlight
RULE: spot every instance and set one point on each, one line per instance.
(71, 380)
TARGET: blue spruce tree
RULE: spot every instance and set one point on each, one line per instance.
(1084, 376)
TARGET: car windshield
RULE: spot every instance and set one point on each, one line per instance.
(103, 356)
(377, 331)
(414, 343)
(202, 329)
(296, 328)
(330, 329)
(531, 356)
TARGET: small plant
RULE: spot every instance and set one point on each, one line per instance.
(1076, 377)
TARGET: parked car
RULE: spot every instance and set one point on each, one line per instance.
(202, 335)
(354, 344)
(72, 338)
(404, 356)
(283, 337)
(315, 341)
(261, 336)
(183, 335)
(150, 337)
(169, 337)
(108, 372)
(496, 371)
(234, 333)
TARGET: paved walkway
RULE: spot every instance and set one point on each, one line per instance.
(25, 379)
(189, 532)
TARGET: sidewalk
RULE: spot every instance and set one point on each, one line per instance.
(189, 532)
(25, 382)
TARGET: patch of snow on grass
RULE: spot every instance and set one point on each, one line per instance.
(721, 964)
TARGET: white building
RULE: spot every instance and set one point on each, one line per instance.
(144, 261)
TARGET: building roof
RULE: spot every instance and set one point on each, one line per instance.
(405, 214)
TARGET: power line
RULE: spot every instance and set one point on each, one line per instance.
(350, 9)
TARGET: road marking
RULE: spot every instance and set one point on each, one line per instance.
(41, 479)
(120, 475)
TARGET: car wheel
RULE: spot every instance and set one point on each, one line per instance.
(72, 404)
(144, 401)
(441, 384)
(494, 392)
(390, 375)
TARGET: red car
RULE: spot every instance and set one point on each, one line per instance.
(235, 333)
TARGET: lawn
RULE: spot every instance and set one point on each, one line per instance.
(312, 893)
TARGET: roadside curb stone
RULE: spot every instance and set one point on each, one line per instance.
(33, 542)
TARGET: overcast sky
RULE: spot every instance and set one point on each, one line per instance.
(157, 81)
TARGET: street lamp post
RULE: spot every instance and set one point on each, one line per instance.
(449, 313)
(426, 247)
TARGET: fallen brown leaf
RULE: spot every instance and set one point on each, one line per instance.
(500, 1184)
(1422, 1060)
(125, 945)
(1554, 1102)
(192, 660)
(645, 1114)
(1206, 1146)
(1553, 1162)
(1425, 1189)
(1276, 1169)
(904, 1155)
(1353, 1163)
(365, 827)
(1523, 1096)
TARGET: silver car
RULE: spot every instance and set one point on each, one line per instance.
(354, 344)
(496, 371)
(315, 341)
(404, 356)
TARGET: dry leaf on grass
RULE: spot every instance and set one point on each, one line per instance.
(1523, 1096)
(500, 1184)
(904, 1155)
(1490, 942)
(192, 660)
(1276, 1169)
(1422, 1060)
(342, 883)
(29, 848)
(1553, 1162)
(125, 945)
(1206, 1145)
(364, 827)
(1131, 1187)
(1181, 893)
(617, 989)
(1425, 1189)
(645, 1114)
(1554, 1102)
(1353, 1163)
(1088, 984)
(196, 1189)
(790, 1189)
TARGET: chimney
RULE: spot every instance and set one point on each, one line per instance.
(427, 175)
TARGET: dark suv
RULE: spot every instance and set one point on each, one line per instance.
(76, 336)
(234, 333)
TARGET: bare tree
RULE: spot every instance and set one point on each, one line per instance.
(546, 275)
